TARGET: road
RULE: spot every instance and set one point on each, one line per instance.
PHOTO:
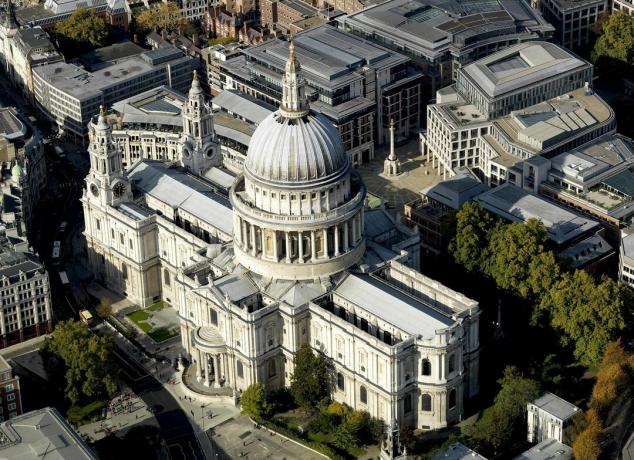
(174, 425)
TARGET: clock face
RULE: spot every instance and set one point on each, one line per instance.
(94, 190)
(119, 189)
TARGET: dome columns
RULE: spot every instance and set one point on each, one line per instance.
(299, 246)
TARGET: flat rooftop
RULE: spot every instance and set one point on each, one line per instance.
(243, 105)
(548, 449)
(10, 125)
(458, 451)
(594, 159)
(42, 433)
(556, 406)
(518, 205)
(544, 125)
(520, 66)
(160, 106)
(327, 55)
(430, 27)
(403, 311)
(81, 84)
(455, 191)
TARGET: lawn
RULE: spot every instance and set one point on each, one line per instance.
(80, 415)
(161, 334)
(141, 317)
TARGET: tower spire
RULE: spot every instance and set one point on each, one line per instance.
(294, 102)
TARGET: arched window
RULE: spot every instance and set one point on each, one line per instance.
(213, 316)
(425, 403)
(407, 404)
(452, 399)
(363, 394)
(426, 367)
(340, 381)
(452, 363)
(166, 277)
(240, 369)
(272, 369)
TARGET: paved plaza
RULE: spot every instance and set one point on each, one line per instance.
(239, 438)
(125, 411)
(416, 175)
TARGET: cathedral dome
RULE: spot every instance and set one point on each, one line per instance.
(295, 145)
(304, 149)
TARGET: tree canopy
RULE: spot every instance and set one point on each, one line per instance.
(469, 247)
(312, 378)
(586, 446)
(588, 315)
(505, 421)
(83, 30)
(254, 403)
(166, 16)
(614, 49)
(87, 360)
(513, 248)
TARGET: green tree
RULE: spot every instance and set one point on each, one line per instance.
(312, 378)
(543, 271)
(167, 16)
(588, 315)
(469, 247)
(254, 403)
(614, 49)
(82, 30)
(513, 247)
(87, 360)
(505, 421)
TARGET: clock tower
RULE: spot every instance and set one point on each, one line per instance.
(200, 149)
(106, 182)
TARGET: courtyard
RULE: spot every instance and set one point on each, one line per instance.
(416, 175)
(159, 321)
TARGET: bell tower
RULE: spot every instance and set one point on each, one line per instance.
(200, 150)
(106, 182)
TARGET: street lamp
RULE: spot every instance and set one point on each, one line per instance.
(202, 415)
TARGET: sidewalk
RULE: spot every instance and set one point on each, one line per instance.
(197, 412)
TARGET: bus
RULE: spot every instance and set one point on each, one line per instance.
(64, 277)
(56, 254)
(62, 227)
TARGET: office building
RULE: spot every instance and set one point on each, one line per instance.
(595, 178)
(70, 95)
(574, 20)
(42, 433)
(502, 85)
(23, 49)
(357, 85)
(25, 292)
(441, 36)
(10, 395)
